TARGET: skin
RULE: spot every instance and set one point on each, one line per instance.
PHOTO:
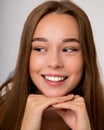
(56, 53)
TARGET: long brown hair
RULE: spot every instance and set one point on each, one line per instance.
(90, 87)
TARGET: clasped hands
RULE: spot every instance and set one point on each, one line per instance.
(71, 108)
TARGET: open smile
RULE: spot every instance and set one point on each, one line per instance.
(54, 78)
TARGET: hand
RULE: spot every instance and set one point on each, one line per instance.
(36, 104)
(74, 113)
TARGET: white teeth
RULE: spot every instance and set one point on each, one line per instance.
(55, 79)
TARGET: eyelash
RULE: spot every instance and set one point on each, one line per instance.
(39, 49)
(69, 50)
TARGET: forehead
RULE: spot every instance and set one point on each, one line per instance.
(57, 22)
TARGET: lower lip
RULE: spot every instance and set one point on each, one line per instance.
(54, 84)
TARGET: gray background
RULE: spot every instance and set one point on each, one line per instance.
(13, 14)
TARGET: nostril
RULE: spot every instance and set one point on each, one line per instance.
(55, 65)
(55, 62)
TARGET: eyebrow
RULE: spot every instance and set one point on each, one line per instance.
(41, 39)
(71, 40)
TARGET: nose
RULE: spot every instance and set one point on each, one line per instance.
(55, 60)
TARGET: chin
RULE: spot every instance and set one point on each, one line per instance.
(54, 94)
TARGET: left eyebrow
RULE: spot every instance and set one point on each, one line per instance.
(71, 40)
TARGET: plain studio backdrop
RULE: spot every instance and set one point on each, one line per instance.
(13, 14)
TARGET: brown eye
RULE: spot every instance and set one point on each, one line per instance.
(39, 49)
(69, 50)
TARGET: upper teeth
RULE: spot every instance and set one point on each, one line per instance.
(52, 78)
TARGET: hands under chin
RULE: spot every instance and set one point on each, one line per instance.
(71, 108)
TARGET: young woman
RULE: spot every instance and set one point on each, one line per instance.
(56, 83)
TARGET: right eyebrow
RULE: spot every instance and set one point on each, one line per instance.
(41, 39)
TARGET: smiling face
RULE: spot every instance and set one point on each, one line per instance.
(56, 63)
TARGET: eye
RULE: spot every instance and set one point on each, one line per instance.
(39, 49)
(69, 49)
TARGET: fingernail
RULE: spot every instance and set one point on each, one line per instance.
(71, 95)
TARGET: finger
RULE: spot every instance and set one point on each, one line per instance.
(60, 100)
(43, 102)
(76, 105)
(63, 99)
(56, 100)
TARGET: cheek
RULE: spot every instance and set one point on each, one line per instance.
(78, 65)
(35, 63)
(75, 64)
